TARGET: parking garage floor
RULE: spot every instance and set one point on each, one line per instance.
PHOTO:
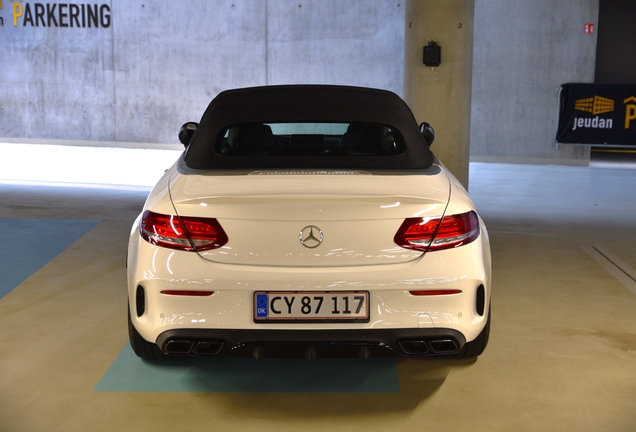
(562, 352)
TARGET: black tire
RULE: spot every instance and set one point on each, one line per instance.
(141, 347)
(475, 348)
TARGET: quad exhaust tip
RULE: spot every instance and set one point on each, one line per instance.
(189, 347)
(429, 347)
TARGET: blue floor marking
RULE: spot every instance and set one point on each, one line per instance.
(26, 245)
(129, 373)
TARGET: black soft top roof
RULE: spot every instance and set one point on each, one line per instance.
(307, 103)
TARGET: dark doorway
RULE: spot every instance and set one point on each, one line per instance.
(616, 45)
(615, 64)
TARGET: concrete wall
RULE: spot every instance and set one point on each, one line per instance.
(158, 64)
(523, 51)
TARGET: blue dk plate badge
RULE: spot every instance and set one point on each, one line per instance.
(261, 305)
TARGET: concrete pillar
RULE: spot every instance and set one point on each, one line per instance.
(441, 96)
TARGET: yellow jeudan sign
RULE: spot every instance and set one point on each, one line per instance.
(597, 114)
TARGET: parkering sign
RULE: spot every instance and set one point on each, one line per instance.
(597, 114)
(65, 15)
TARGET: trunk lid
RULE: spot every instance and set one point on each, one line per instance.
(311, 218)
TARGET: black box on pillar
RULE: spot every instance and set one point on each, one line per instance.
(432, 54)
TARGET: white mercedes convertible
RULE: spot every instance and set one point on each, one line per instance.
(308, 220)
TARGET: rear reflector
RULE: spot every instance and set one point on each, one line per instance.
(435, 292)
(433, 234)
(182, 233)
(187, 293)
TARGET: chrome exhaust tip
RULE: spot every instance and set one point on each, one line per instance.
(444, 346)
(414, 347)
(178, 347)
(208, 348)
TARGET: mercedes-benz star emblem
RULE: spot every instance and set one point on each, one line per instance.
(311, 236)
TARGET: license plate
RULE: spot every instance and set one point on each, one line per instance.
(285, 306)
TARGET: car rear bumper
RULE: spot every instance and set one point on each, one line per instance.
(311, 343)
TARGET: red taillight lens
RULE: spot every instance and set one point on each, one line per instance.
(182, 233)
(435, 234)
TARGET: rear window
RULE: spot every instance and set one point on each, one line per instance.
(309, 139)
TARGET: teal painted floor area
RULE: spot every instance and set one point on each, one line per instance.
(129, 373)
(26, 245)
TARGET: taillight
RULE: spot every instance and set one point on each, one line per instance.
(435, 234)
(182, 233)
